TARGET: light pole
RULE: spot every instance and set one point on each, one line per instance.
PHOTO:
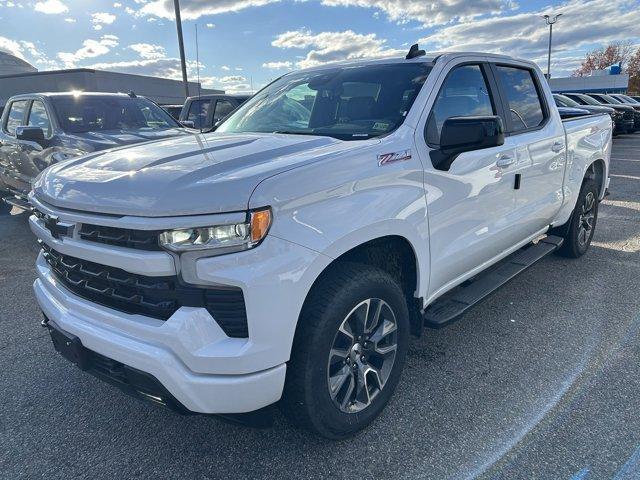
(183, 63)
(550, 21)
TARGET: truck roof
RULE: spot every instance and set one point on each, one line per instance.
(429, 57)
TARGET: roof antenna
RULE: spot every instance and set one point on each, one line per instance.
(132, 94)
(414, 52)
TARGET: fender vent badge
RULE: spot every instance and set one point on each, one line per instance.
(388, 158)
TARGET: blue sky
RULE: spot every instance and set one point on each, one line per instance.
(245, 43)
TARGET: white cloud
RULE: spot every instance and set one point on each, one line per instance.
(210, 25)
(148, 51)
(333, 46)
(70, 20)
(428, 12)
(90, 49)
(117, 5)
(277, 65)
(51, 7)
(225, 68)
(193, 9)
(102, 18)
(27, 51)
(584, 22)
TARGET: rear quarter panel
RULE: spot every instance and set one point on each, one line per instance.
(589, 139)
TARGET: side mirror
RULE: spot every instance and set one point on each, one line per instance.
(465, 134)
(31, 134)
(188, 123)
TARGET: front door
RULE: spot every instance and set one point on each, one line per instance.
(12, 157)
(471, 204)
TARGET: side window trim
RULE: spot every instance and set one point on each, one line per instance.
(509, 128)
(494, 97)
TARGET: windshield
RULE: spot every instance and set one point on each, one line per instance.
(348, 103)
(563, 101)
(84, 113)
(627, 98)
(610, 100)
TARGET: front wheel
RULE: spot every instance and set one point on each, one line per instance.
(583, 222)
(348, 352)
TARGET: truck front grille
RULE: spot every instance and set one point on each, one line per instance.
(627, 116)
(157, 297)
(121, 237)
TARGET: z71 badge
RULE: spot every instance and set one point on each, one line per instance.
(387, 158)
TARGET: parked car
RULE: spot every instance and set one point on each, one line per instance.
(570, 112)
(41, 129)
(624, 123)
(287, 256)
(626, 99)
(564, 101)
(609, 100)
(636, 98)
(173, 110)
(205, 111)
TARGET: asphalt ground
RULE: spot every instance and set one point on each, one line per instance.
(540, 381)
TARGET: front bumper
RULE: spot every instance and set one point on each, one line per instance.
(97, 328)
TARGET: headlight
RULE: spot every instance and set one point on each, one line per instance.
(224, 238)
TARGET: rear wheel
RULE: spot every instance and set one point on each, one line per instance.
(349, 351)
(583, 222)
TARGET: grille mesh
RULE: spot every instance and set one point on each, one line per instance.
(157, 297)
(121, 237)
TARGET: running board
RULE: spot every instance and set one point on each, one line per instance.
(452, 305)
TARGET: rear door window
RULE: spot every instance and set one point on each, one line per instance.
(199, 113)
(15, 118)
(464, 93)
(522, 96)
(38, 117)
(223, 108)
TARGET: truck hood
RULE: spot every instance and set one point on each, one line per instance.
(195, 174)
(102, 140)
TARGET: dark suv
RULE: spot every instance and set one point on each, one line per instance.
(38, 130)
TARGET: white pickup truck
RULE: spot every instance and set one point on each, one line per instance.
(287, 257)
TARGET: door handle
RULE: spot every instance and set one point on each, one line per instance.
(505, 161)
(557, 147)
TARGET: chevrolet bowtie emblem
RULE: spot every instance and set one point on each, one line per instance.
(57, 228)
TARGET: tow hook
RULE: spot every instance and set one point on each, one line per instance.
(44, 322)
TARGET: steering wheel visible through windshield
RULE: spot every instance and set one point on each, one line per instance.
(349, 103)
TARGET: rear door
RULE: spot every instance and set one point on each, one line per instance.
(470, 204)
(536, 135)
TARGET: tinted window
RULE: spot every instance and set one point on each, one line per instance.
(563, 101)
(223, 108)
(84, 113)
(464, 93)
(38, 117)
(16, 116)
(522, 96)
(199, 112)
(349, 103)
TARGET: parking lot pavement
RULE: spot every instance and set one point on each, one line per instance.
(542, 380)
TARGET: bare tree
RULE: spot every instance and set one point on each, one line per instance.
(633, 69)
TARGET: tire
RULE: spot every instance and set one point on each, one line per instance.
(329, 322)
(583, 222)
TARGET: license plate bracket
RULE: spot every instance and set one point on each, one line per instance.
(68, 345)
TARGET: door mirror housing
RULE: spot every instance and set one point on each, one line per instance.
(188, 123)
(465, 134)
(31, 134)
